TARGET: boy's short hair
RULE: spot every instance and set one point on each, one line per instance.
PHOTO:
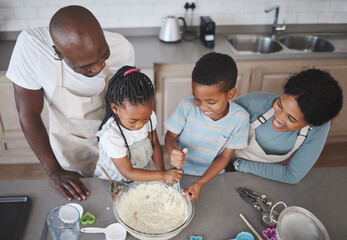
(216, 69)
(318, 94)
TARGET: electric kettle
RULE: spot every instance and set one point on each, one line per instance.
(170, 30)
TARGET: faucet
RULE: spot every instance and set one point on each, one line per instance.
(275, 26)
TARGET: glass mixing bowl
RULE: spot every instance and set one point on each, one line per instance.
(122, 195)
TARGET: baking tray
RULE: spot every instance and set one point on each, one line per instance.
(14, 212)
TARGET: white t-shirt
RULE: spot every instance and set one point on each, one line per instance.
(114, 145)
(32, 65)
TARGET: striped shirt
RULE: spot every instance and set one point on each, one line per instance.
(204, 137)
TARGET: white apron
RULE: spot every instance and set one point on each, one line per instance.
(141, 155)
(254, 152)
(73, 122)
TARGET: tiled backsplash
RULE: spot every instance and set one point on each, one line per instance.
(16, 15)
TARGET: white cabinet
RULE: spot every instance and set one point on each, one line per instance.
(14, 146)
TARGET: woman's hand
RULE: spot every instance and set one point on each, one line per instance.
(69, 184)
(178, 157)
(193, 191)
(173, 175)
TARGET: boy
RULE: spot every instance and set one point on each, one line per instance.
(204, 130)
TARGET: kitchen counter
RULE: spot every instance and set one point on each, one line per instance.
(323, 192)
(149, 50)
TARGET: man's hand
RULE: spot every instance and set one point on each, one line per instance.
(178, 157)
(193, 191)
(69, 184)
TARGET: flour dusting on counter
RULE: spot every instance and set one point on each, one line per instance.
(147, 208)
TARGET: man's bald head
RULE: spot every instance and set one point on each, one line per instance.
(77, 36)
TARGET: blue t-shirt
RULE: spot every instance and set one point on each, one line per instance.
(274, 142)
(204, 137)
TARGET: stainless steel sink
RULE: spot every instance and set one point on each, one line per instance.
(307, 43)
(255, 44)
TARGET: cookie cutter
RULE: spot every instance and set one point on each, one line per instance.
(195, 238)
(269, 234)
(87, 218)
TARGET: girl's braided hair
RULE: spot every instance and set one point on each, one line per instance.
(128, 84)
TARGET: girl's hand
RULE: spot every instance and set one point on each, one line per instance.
(178, 157)
(193, 191)
(173, 175)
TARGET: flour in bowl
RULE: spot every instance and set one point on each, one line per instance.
(150, 208)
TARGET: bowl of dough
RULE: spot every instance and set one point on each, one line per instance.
(152, 210)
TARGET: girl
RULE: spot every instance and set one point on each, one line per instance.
(127, 136)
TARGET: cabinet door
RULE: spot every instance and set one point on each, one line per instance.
(14, 146)
(271, 76)
(338, 70)
(172, 84)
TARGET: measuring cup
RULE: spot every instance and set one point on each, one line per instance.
(115, 231)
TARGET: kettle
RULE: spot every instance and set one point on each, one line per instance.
(170, 30)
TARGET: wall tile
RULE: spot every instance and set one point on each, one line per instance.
(141, 9)
(16, 25)
(338, 6)
(147, 13)
(298, 7)
(38, 22)
(35, 3)
(11, 3)
(6, 13)
(307, 17)
(340, 18)
(326, 18)
(20, 13)
(118, 10)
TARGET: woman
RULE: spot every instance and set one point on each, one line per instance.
(293, 125)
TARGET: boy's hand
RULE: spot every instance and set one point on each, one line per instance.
(193, 191)
(178, 157)
(173, 175)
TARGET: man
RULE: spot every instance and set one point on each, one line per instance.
(67, 66)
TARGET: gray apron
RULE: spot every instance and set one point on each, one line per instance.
(73, 122)
(141, 155)
(254, 152)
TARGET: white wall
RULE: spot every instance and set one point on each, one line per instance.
(17, 15)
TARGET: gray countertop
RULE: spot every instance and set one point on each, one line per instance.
(323, 192)
(149, 50)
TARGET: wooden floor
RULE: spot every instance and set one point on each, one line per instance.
(333, 155)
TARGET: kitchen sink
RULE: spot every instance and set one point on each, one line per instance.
(255, 44)
(307, 43)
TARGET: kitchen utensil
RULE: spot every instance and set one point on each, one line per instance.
(170, 30)
(87, 218)
(297, 223)
(243, 236)
(63, 222)
(250, 226)
(269, 233)
(114, 187)
(261, 203)
(122, 195)
(114, 231)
